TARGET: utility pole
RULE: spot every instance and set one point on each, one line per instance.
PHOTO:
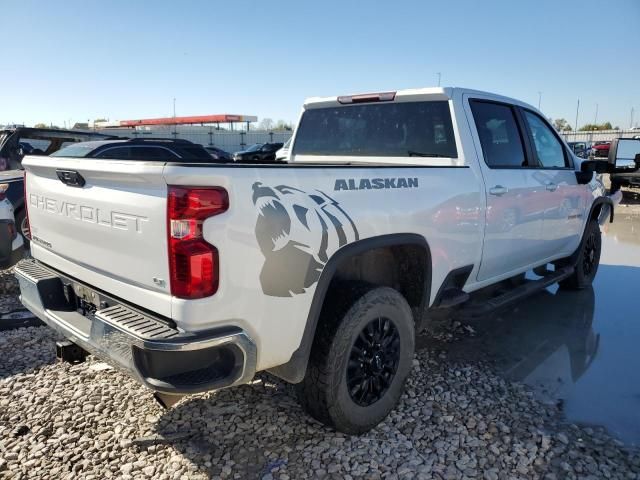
(595, 123)
(539, 99)
(439, 77)
(577, 110)
(175, 125)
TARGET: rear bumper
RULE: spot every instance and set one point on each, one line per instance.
(150, 349)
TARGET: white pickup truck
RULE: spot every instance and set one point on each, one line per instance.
(320, 270)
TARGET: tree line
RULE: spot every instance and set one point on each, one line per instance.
(561, 125)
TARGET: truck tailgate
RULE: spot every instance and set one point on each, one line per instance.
(109, 232)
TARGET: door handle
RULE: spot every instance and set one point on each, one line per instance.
(552, 187)
(498, 190)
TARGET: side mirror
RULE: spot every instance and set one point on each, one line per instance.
(624, 155)
(588, 168)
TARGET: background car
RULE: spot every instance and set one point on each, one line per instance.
(16, 142)
(219, 154)
(601, 149)
(581, 149)
(11, 244)
(258, 153)
(163, 149)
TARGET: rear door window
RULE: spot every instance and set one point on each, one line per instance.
(152, 153)
(548, 147)
(500, 137)
(118, 153)
(395, 129)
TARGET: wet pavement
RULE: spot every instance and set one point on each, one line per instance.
(579, 349)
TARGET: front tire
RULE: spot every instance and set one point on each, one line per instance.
(588, 260)
(361, 356)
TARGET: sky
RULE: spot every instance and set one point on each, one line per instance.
(72, 61)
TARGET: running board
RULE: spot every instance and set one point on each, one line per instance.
(452, 297)
(485, 307)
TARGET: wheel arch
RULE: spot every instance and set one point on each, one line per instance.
(596, 209)
(594, 214)
(419, 293)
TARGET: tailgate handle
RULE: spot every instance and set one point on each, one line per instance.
(71, 178)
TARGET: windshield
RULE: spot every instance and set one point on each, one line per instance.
(254, 148)
(378, 129)
(74, 150)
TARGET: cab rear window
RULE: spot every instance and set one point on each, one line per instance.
(398, 129)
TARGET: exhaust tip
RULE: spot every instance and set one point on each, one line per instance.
(167, 401)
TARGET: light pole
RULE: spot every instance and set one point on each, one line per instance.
(439, 77)
(631, 124)
(175, 125)
(595, 123)
(539, 99)
(577, 110)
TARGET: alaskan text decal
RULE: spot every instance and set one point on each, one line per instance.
(375, 183)
(89, 214)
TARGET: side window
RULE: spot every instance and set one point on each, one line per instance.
(499, 135)
(151, 153)
(118, 153)
(548, 148)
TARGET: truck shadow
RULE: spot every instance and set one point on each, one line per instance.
(518, 340)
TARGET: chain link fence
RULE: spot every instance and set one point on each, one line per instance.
(208, 136)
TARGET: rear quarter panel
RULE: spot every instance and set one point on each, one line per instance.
(285, 222)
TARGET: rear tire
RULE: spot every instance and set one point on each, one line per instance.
(361, 356)
(588, 260)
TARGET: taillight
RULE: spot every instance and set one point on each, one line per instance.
(368, 97)
(27, 228)
(3, 191)
(193, 263)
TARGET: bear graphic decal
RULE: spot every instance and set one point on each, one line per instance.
(297, 232)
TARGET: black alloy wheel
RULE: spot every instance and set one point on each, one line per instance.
(373, 361)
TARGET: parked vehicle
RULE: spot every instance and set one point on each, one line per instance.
(219, 154)
(11, 243)
(283, 153)
(601, 149)
(149, 149)
(258, 153)
(17, 141)
(581, 149)
(626, 151)
(320, 270)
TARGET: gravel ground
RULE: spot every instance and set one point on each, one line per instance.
(455, 421)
